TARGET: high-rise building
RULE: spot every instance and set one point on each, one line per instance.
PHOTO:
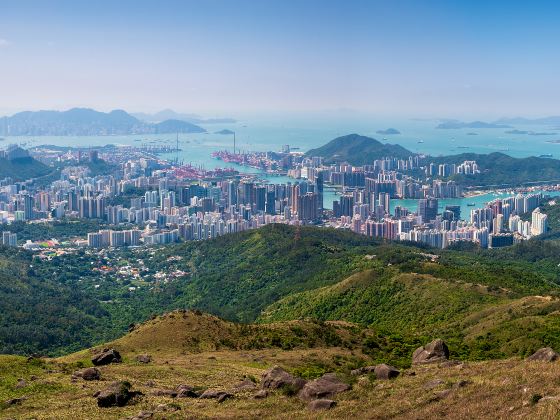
(427, 209)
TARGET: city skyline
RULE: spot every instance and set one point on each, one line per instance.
(437, 59)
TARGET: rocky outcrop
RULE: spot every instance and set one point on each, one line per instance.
(186, 391)
(321, 404)
(436, 351)
(219, 395)
(327, 386)
(245, 385)
(545, 354)
(106, 357)
(363, 370)
(117, 394)
(87, 374)
(277, 377)
(384, 371)
(144, 358)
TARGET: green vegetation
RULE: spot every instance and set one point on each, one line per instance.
(59, 229)
(22, 169)
(358, 150)
(38, 314)
(499, 169)
(484, 302)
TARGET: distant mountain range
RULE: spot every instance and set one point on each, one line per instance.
(501, 123)
(169, 114)
(85, 121)
(554, 120)
(358, 150)
(455, 124)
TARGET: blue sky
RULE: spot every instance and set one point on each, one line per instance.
(423, 58)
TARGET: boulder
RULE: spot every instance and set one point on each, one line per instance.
(88, 374)
(545, 354)
(22, 383)
(144, 358)
(260, 394)
(321, 404)
(117, 394)
(363, 370)
(245, 385)
(186, 391)
(327, 386)
(165, 393)
(436, 351)
(384, 371)
(142, 415)
(277, 377)
(219, 395)
(106, 357)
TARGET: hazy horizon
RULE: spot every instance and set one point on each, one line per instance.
(217, 58)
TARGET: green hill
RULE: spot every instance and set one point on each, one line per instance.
(503, 170)
(481, 322)
(22, 169)
(39, 314)
(358, 150)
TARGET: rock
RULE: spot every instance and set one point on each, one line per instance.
(106, 357)
(461, 384)
(22, 383)
(277, 377)
(168, 407)
(165, 393)
(142, 415)
(442, 394)
(326, 386)
(245, 385)
(144, 358)
(224, 397)
(363, 370)
(88, 374)
(261, 394)
(384, 371)
(15, 401)
(436, 351)
(433, 383)
(219, 395)
(187, 393)
(117, 394)
(321, 404)
(545, 354)
(184, 387)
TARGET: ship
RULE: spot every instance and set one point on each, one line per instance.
(471, 204)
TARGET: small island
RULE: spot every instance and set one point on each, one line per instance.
(225, 132)
(389, 131)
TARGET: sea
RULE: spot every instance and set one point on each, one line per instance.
(302, 133)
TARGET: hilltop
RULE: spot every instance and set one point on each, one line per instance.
(88, 122)
(501, 169)
(182, 351)
(23, 169)
(358, 150)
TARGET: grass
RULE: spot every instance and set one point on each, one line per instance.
(494, 389)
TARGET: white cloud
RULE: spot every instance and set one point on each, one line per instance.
(4, 42)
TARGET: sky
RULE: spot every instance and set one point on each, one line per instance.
(425, 58)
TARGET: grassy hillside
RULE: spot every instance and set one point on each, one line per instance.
(239, 276)
(358, 150)
(486, 390)
(481, 322)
